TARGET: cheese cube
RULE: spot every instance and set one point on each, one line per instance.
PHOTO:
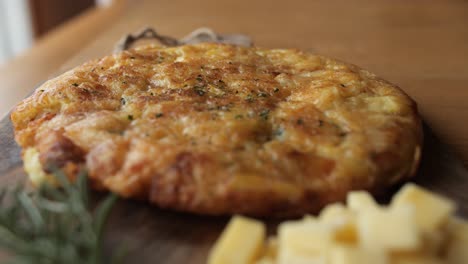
(458, 246)
(457, 229)
(337, 215)
(303, 242)
(271, 248)
(433, 242)
(389, 229)
(417, 259)
(265, 260)
(342, 221)
(458, 252)
(346, 234)
(270, 251)
(309, 217)
(360, 200)
(431, 209)
(333, 211)
(240, 243)
(353, 255)
(288, 256)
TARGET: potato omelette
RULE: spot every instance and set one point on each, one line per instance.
(221, 129)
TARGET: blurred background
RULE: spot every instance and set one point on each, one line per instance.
(22, 22)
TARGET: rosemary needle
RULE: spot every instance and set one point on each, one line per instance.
(53, 225)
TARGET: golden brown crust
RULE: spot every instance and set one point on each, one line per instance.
(218, 129)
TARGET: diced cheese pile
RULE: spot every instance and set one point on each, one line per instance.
(418, 227)
(242, 233)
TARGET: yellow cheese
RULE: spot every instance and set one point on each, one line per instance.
(389, 229)
(346, 234)
(270, 251)
(240, 243)
(303, 242)
(458, 252)
(431, 210)
(265, 260)
(458, 229)
(417, 259)
(360, 200)
(33, 167)
(271, 248)
(342, 221)
(333, 211)
(309, 217)
(433, 242)
(458, 246)
(353, 255)
(417, 228)
(291, 256)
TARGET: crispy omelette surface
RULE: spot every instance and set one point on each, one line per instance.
(220, 129)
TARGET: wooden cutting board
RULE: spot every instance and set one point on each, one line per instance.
(152, 235)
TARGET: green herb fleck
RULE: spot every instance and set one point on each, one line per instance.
(123, 101)
(249, 98)
(278, 132)
(238, 116)
(262, 94)
(158, 115)
(130, 117)
(118, 132)
(42, 90)
(199, 90)
(75, 84)
(199, 78)
(264, 114)
(276, 90)
(124, 82)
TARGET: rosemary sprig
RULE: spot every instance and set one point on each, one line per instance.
(53, 225)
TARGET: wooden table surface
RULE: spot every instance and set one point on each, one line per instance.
(422, 46)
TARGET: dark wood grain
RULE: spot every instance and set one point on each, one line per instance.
(10, 159)
(152, 235)
(47, 14)
(443, 172)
